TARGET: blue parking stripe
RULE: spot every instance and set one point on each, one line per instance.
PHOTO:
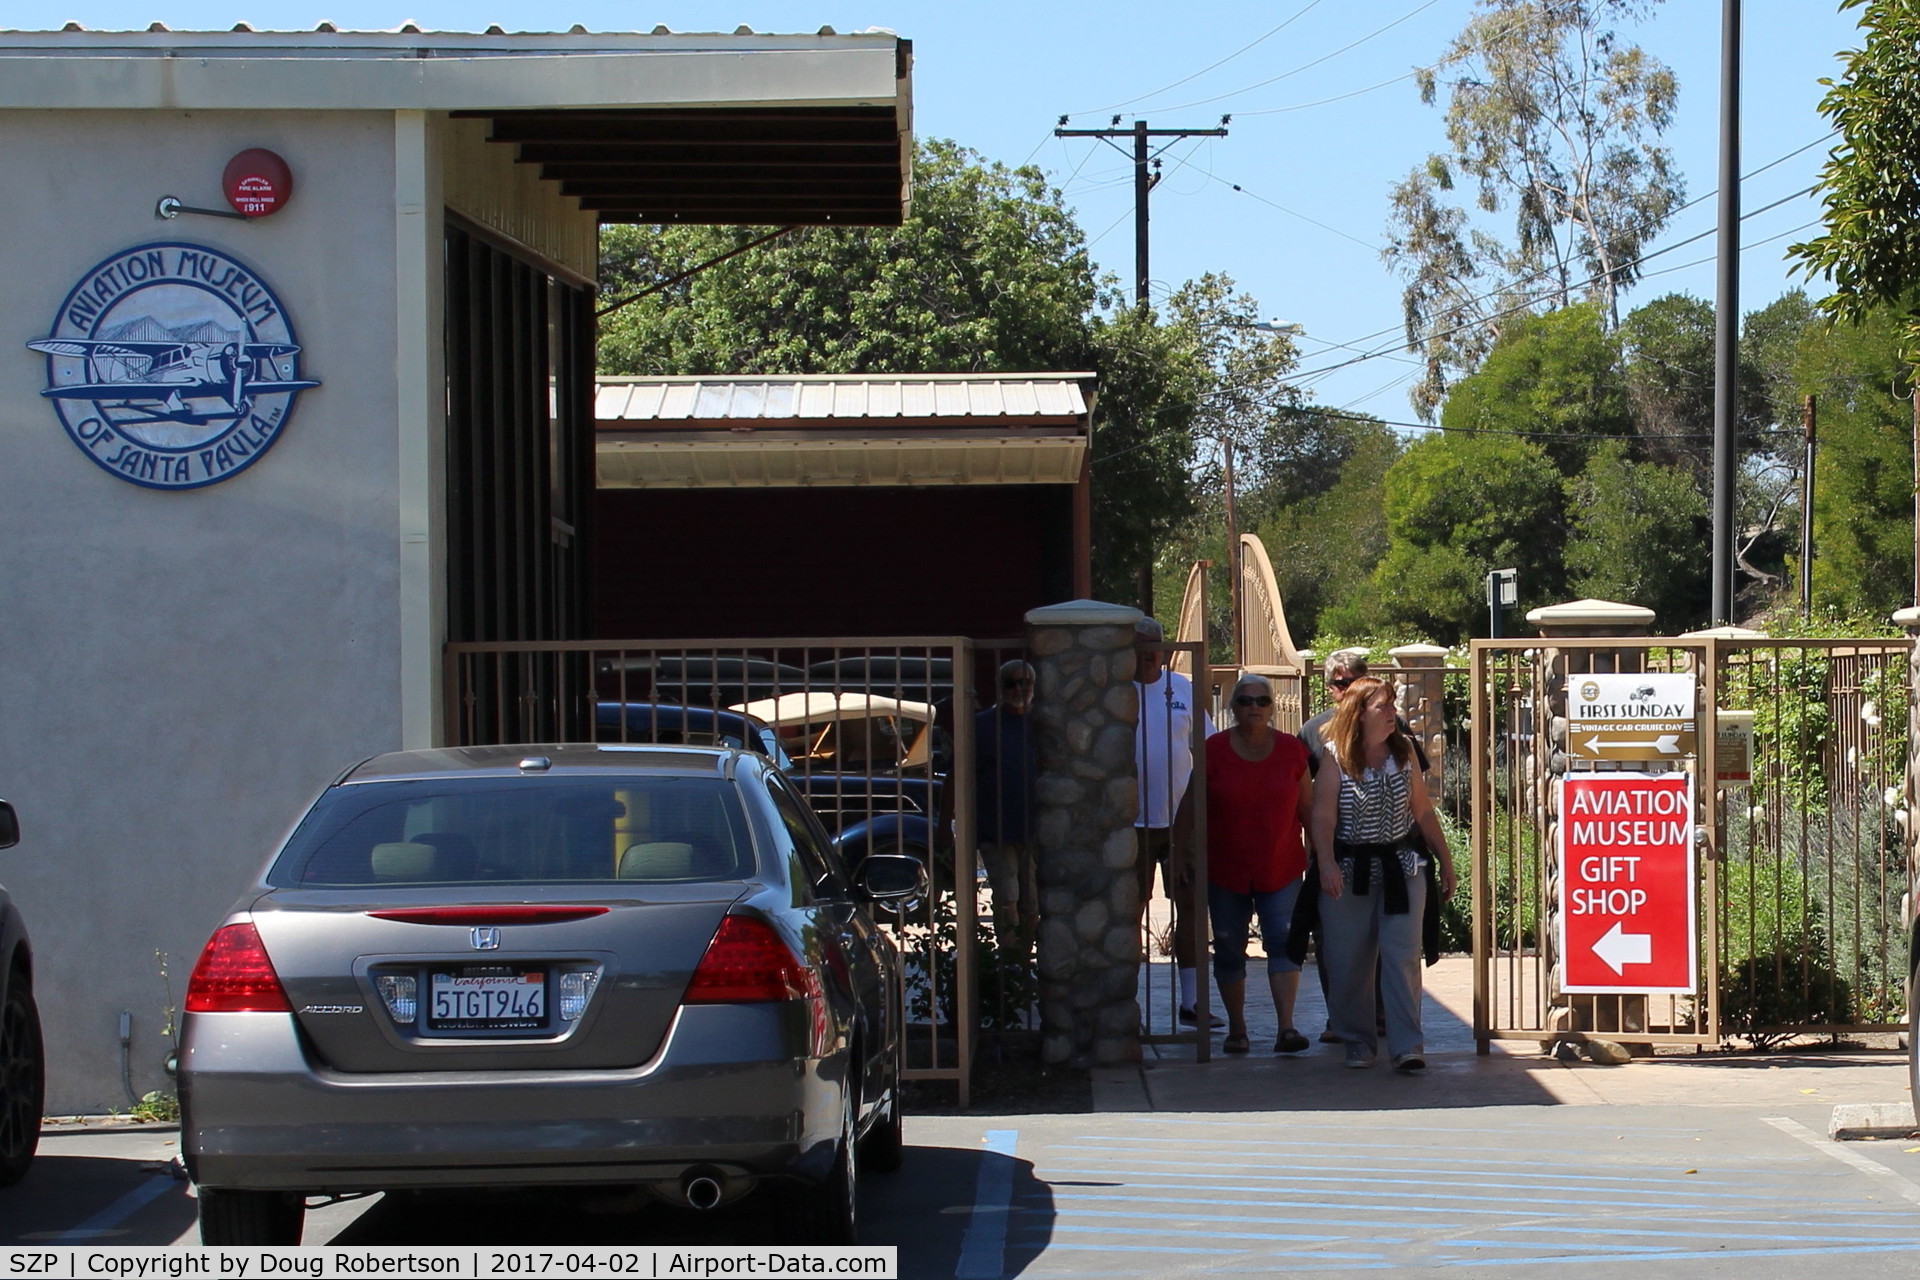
(1203, 1235)
(1685, 1235)
(1402, 1195)
(1677, 1255)
(117, 1212)
(1572, 1180)
(1209, 1217)
(983, 1249)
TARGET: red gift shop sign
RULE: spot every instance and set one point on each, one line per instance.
(1628, 915)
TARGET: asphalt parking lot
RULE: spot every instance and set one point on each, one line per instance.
(1688, 1165)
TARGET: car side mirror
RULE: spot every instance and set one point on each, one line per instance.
(10, 826)
(889, 877)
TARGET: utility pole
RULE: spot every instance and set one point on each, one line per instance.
(1726, 337)
(1143, 156)
(1233, 554)
(1806, 513)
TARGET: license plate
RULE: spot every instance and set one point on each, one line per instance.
(487, 998)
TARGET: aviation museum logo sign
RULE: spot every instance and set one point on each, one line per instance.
(172, 366)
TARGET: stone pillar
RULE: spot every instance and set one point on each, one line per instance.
(1565, 625)
(1423, 701)
(1909, 619)
(1084, 713)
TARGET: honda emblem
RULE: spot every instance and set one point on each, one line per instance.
(486, 938)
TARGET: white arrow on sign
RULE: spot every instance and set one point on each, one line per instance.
(1667, 744)
(1622, 949)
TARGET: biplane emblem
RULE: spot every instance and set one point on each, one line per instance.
(172, 366)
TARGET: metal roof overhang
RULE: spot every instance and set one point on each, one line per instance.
(768, 460)
(740, 129)
(828, 431)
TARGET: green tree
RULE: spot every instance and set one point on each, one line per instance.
(1325, 543)
(1870, 184)
(1550, 118)
(990, 274)
(1456, 507)
(1555, 376)
(1863, 469)
(1638, 534)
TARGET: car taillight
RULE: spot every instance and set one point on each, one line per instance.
(747, 962)
(234, 975)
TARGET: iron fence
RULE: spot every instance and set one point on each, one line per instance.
(867, 730)
(1803, 866)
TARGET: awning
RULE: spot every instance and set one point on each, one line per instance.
(731, 129)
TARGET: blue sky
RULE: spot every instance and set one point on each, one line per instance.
(1302, 232)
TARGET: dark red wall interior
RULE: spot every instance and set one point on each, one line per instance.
(751, 563)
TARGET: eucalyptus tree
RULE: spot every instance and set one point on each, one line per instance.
(1552, 120)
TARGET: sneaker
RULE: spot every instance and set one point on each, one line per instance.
(1214, 1020)
(1329, 1036)
(1290, 1041)
(1358, 1058)
(1410, 1064)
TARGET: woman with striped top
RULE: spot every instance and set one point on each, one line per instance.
(1373, 826)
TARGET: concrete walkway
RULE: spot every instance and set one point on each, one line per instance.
(1514, 1074)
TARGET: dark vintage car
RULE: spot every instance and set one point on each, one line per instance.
(22, 1056)
(549, 967)
(877, 803)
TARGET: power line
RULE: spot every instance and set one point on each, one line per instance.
(1306, 66)
(1115, 106)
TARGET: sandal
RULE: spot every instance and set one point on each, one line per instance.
(1290, 1041)
(1234, 1044)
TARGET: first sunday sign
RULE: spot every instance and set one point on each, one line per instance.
(172, 366)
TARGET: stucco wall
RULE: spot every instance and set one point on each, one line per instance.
(183, 670)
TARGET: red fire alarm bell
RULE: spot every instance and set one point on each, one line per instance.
(257, 182)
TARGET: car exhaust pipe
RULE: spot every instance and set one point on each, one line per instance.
(702, 1192)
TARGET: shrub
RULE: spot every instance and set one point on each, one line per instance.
(1777, 971)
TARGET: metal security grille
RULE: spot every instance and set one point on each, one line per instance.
(1803, 863)
(519, 350)
(867, 730)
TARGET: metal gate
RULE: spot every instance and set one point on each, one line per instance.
(878, 734)
(1804, 863)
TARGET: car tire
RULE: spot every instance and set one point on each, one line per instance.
(1913, 1035)
(882, 1148)
(829, 1213)
(250, 1217)
(23, 1080)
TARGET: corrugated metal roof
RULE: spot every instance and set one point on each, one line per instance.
(746, 462)
(841, 398)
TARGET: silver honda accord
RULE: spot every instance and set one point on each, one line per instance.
(547, 966)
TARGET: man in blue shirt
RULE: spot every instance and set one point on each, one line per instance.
(1003, 809)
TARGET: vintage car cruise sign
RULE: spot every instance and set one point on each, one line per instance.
(172, 366)
(1612, 716)
(1627, 903)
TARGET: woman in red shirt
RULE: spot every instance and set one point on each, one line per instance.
(1259, 807)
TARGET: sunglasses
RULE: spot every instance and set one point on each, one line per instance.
(1342, 682)
(1249, 700)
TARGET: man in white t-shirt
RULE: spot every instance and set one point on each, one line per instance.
(1163, 763)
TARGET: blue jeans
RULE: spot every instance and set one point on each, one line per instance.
(1231, 911)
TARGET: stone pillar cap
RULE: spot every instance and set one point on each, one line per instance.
(1908, 617)
(1606, 613)
(1723, 633)
(1417, 651)
(1084, 613)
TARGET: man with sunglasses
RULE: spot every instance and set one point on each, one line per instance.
(1002, 809)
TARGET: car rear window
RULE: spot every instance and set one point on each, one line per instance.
(519, 831)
